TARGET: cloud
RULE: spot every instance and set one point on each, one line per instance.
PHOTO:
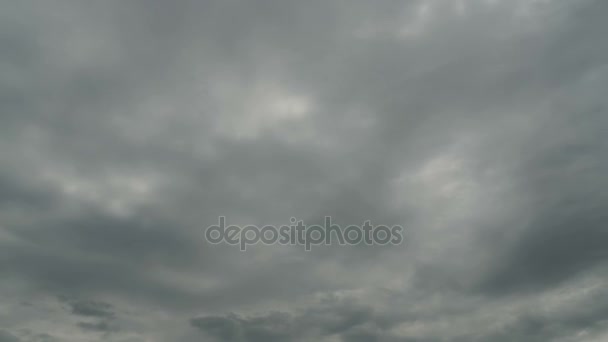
(102, 326)
(336, 318)
(8, 337)
(91, 309)
(129, 127)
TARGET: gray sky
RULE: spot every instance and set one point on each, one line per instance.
(128, 126)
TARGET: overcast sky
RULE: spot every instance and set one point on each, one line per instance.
(128, 126)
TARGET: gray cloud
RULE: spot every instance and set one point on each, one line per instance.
(91, 309)
(8, 337)
(334, 318)
(129, 127)
(102, 326)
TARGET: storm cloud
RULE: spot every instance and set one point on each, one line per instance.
(128, 127)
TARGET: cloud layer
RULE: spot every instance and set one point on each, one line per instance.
(127, 127)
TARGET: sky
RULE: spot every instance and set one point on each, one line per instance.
(129, 126)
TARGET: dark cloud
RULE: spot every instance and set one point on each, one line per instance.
(102, 326)
(91, 309)
(334, 318)
(8, 337)
(129, 127)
